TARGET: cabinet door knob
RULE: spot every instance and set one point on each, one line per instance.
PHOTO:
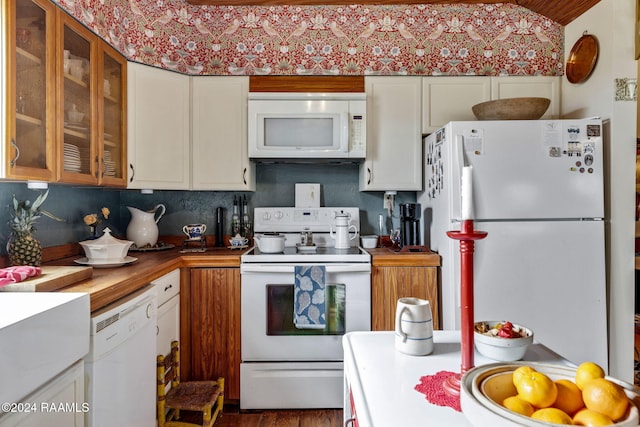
(368, 176)
(133, 172)
(244, 176)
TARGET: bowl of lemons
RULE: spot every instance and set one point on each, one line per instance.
(533, 394)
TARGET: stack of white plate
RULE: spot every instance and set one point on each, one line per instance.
(109, 164)
(72, 161)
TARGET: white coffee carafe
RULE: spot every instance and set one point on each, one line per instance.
(341, 235)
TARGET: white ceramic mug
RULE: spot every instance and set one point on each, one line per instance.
(414, 326)
(194, 231)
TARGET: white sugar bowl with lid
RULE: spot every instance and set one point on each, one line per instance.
(107, 249)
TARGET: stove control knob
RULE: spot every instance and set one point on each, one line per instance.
(279, 214)
(266, 216)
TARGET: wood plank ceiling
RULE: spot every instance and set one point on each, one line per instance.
(560, 11)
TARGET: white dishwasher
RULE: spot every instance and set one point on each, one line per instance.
(121, 365)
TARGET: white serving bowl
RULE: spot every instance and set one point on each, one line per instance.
(484, 388)
(502, 349)
(106, 249)
(369, 242)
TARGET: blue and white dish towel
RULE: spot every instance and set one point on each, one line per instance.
(308, 297)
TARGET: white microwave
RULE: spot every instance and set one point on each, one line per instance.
(307, 125)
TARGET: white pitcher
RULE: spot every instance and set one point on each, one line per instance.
(341, 234)
(143, 228)
(414, 326)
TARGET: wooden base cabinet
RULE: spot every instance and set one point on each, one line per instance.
(210, 317)
(388, 283)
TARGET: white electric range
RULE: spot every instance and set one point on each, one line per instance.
(282, 365)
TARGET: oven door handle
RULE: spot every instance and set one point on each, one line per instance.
(289, 268)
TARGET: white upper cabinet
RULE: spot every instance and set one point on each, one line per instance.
(219, 140)
(188, 133)
(159, 128)
(394, 142)
(451, 98)
(446, 99)
(533, 86)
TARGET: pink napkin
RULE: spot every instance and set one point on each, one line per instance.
(17, 274)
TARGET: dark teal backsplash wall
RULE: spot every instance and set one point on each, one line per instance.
(275, 186)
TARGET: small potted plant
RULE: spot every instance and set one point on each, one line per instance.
(23, 248)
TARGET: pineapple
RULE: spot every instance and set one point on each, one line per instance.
(23, 248)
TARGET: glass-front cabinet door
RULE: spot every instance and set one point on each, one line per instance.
(111, 116)
(77, 150)
(30, 90)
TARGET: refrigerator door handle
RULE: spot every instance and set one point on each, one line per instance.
(460, 160)
(459, 165)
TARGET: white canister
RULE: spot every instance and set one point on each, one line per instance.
(414, 326)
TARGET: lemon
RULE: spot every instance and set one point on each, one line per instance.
(569, 397)
(516, 404)
(606, 397)
(552, 415)
(520, 373)
(586, 372)
(537, 389)
(587, 417)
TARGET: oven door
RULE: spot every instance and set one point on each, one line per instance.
(268, 332)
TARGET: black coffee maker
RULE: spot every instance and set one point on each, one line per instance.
(410, 214)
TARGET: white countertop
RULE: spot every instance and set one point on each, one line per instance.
(42, 334)
(383, 380)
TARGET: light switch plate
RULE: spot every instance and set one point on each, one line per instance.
(307, 195)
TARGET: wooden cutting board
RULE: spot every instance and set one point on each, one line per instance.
(52, 278)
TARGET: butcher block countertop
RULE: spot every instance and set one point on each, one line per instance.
(110, 284)
(387, 257)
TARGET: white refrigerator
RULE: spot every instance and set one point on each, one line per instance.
(538, 191)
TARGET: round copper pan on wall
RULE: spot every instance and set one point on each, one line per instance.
(582, 58)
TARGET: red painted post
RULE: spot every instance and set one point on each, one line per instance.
(467, 237)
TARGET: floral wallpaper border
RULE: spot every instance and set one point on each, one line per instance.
(429, 40)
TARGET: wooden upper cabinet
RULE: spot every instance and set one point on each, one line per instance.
(112, 116)
(91, 113)
(63, 121)
(76, 127)
(29, 150)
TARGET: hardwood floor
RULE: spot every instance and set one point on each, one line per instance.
(232, 417)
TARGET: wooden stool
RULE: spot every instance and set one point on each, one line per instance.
(203, 397)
